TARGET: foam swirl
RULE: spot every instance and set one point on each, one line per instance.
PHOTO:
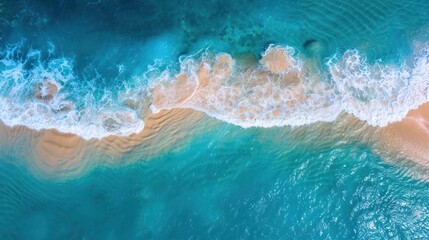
(286, 90)
(282, 89)
(48, 95)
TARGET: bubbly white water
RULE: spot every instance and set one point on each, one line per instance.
(302, 94)
(48, 94)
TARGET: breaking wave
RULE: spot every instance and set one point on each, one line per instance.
(282, 89)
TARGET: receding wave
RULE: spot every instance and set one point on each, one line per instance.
(285, 89)
(49, 95)
(282, 89)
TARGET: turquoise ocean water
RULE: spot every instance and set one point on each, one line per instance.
(224, 187)
(224, 182)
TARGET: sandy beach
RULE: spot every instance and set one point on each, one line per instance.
(410, 136)
(269, 93)
(62, 155)
(52, 153)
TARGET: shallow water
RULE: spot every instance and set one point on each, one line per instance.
(76, 65)
(223, 186)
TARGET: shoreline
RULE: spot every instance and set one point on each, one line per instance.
(278, 88)
(61, 155)
(55, 154)
(410, 136)
(209, 91)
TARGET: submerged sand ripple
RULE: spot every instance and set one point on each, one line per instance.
(278, 91)
(51, 153)
(410, 137)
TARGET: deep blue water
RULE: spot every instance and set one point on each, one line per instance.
(227, 182)
(134, 33)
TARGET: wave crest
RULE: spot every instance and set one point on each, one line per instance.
(285, 89)
(281, 89)
(48, 95)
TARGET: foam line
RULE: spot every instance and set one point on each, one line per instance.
(282, 89)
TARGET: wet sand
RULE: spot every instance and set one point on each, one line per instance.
(176, 114)
(410, 136)
(50, 153)
(55, 154)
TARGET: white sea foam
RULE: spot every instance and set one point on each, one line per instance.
(284, 89)
(299, 94)
(380, 93)
(47, 95)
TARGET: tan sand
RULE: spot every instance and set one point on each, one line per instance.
(55, 154)
(162, 131)
(65, 154)
(54, 150)
(241, 93)
(276, 59)
(214, 87)
(409, 137)
(46, 90)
